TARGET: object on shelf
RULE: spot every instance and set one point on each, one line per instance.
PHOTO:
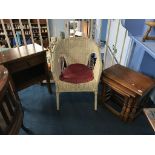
(26, 28)
(146, 35)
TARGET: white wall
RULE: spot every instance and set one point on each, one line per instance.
(56, 26)
(97, 30)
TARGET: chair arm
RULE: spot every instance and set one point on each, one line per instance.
(97, 68)
(56, 66)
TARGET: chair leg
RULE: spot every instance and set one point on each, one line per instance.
(95, 101)
(57, 100)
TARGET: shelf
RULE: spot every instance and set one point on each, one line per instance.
(41, 32)
(19, 29)
(35, 23)
(26, 29)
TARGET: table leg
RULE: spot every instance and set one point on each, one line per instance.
(49, 85)
(128, 109)
(103, 92)
(134, 109)
(48, 78)
(16, 98)
(124, 107)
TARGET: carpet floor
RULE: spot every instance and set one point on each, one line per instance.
(76, 115)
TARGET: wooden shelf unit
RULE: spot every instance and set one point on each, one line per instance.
(26, 28)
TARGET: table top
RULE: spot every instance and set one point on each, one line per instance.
(14, 54)
(122, 89)
(150, 114)
(3, 77)
(130, 79)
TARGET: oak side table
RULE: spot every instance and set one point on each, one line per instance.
(125, 91)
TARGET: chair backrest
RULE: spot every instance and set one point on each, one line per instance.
(11, 115)
(75, 50)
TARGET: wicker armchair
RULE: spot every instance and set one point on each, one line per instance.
(76, 50)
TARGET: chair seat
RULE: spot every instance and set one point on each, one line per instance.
(77, 73)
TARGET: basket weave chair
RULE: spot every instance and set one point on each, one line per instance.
(76, 50)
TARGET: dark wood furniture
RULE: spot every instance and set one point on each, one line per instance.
(26, 66)
(125, 91)
(11, 115)
(150, 114)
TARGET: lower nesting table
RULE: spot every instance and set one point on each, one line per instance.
(125, 91)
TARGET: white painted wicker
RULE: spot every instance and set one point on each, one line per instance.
(76, 50)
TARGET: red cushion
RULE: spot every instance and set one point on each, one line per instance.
(77, 73)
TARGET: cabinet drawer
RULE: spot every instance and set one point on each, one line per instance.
(25, 63)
